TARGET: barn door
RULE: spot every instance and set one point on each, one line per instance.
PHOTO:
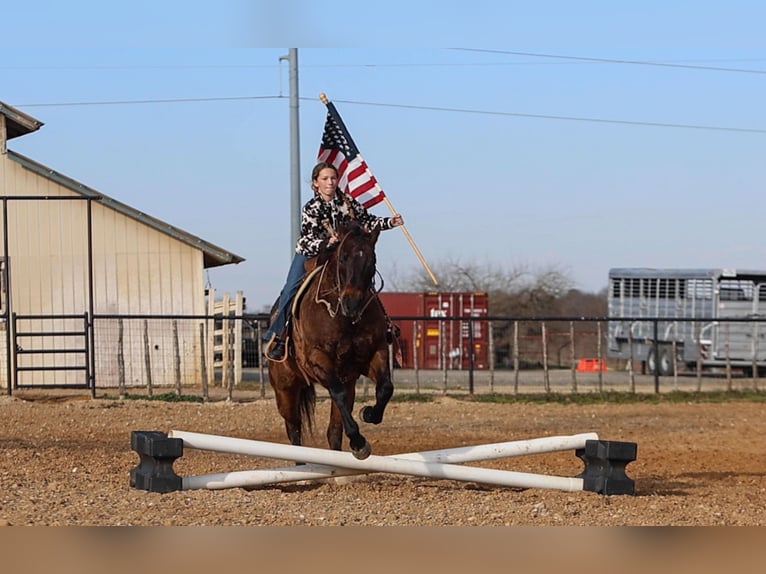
(47, 292)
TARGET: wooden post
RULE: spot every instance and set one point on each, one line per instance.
(226, 346)
(147, 359)
(239, 308)
(546, 374)
(491, 358)
(176, 357)
(121, 357)
(210, 349)
(415, 338)
(600, 355)
(203, 364)
(572, 356)
(631, 373)
(515, 357)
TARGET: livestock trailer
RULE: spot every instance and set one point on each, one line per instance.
(706, 315)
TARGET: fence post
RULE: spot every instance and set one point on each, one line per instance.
(417, 331)
(546, 377)
(515, 357)
(176, 357)
(491, 358)
(674, 355)
(698, 334)
(728, 358)
(238, 310)
(572, 357)
(600, 355)
(443, 356)
(203, 360)
(631, 373)
(121, 358)
(755, 355)
(210, 329)
(226, 345)
(147, 359)
(656, 343)
(470, 355)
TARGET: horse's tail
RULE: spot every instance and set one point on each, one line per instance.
(308, 400)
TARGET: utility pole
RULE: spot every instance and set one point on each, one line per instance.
(295, 164)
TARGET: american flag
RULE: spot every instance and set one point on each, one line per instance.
(337, 148)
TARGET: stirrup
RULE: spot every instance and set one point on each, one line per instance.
(274, 343)
(276, 352)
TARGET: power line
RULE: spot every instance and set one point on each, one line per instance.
(566, 118)
(160, 101)
(414, 107)
(144, 67)
(410, 64)
(617, 61)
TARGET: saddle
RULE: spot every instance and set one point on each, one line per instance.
(312, 269)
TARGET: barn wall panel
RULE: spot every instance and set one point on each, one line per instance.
(136, 270)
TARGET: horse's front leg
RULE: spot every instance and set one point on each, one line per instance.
(343, 395)
(380, 374)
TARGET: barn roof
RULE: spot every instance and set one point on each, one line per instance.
(18, 124)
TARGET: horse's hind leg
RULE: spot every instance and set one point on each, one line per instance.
(289, 406)
(380, 374)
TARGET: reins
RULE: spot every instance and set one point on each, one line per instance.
(319, 296)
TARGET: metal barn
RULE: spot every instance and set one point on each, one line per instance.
(69, 253)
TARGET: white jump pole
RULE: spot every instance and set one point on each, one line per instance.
(327, 463)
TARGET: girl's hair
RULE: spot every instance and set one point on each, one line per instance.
(319, 167)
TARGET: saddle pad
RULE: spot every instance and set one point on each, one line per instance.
(302, 289)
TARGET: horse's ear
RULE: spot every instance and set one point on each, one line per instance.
(375, 233)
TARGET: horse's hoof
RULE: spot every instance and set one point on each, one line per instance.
(366, 414)
(363, 452)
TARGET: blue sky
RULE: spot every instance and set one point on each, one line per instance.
(496, 152)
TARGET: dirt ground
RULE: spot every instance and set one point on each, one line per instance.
(66, 461)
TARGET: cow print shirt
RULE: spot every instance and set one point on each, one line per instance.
(314, 233)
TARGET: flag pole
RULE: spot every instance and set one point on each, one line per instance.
(387, 201)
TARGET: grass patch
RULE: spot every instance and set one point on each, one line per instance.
(411, 398)
(163, 397)
(612, 397)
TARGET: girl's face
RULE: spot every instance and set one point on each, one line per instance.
(326, 182)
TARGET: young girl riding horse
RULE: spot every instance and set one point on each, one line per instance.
(321, 216)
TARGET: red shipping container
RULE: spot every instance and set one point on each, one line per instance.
(433, 336)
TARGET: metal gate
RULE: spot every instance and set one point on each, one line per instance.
(51, 351)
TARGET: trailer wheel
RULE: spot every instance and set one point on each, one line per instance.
(664, 366)
(651, 362)
(666, 361)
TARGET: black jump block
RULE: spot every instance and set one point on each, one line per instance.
(605, 462)
(157, 454)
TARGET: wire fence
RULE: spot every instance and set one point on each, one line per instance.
(219, 357)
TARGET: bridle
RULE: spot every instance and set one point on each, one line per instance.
(337, 288)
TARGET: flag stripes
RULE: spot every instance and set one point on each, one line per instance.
(338, 149)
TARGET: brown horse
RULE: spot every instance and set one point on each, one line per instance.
(339, 332)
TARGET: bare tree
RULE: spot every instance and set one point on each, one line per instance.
(515, 291)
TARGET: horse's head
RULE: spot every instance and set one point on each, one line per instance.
(355, 259)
